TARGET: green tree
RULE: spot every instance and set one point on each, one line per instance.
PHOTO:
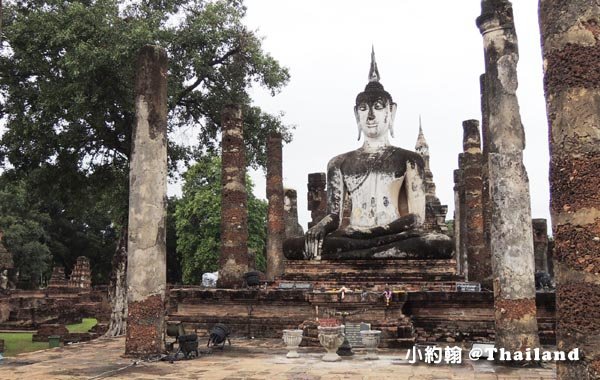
(24, 233)
(66, 95)
(198, 220)
(174, 274)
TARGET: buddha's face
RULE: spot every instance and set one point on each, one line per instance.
(375, 117)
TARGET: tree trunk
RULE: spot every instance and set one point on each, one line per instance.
(117, 291)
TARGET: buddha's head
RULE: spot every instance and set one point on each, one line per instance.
(374, 110)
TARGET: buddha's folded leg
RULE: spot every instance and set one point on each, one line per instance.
(427, 246)
(339, 242)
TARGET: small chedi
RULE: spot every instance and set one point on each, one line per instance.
(382, 188)
(81, 274)
(58, 278)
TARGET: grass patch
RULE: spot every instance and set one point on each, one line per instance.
(16, 343)
(19, 342)
(83, 327)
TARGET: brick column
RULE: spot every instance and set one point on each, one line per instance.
(571, 48)
(275, 218)
(478, 259)
(146, 251)
(233, 262)
(317, 197)
(511, 240)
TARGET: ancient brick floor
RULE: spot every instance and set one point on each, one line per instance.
(245, 359)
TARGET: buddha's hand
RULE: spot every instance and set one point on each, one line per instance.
(314, 241)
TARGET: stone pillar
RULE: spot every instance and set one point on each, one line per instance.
(486, 206)
(290, 212)
(457, 222)
(478, 259)
(540, 244)
(233, 262)
(462, 218)
(511, 239)
(570, 36)
(146, 251)
(317, 197)
(275, 218)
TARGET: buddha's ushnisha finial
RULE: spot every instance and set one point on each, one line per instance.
(373, 72)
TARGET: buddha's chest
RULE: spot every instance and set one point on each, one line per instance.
(374, 197)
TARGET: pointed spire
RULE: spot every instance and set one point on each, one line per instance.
(373, 72)
(421, 146)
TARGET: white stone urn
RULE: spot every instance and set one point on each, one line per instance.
(292, 339)
(371, 339)
(331, 339)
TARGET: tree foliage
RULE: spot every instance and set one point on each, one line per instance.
(198, 221)
(67, 99)
(24, 232)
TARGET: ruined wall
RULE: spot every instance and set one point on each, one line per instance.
(233, 261)
(570, 33)
(28, 309)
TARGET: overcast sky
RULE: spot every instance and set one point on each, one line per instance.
(430, 56)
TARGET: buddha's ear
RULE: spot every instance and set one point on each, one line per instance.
(393, 108)
(357, 121)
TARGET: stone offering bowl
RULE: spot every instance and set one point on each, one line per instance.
(371, 339)
(292, 339)
(331, 339)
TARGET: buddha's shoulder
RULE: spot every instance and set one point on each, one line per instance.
(405, 155)
(338, 160)
(391, 154)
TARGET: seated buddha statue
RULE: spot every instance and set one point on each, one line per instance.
(385, 186)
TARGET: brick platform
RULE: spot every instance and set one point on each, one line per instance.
(410, 275)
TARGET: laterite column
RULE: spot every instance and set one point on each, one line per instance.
(478, 259)
(570, 33)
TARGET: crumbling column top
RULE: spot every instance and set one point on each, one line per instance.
(471, 136)
(495, 14)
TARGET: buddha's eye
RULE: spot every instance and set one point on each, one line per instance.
(379, 105)
(363, 107)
